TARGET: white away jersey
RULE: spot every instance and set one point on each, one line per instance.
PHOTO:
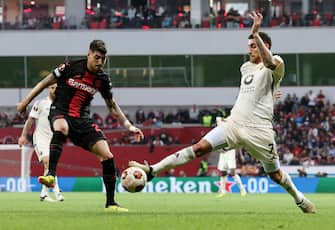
(40, 113)
(255, 101)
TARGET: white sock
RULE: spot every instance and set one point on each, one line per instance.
(238, 181)
(223, 181)
(56, 188)
(44, 191)
(288, 185)
(179, 158)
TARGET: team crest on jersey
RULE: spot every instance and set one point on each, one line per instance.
(61, 67)
(248, 79)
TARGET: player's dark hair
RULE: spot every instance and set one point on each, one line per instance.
(98, 45)
(264, 36)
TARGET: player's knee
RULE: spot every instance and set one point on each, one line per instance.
(58, 138)
(202, 147)
(275, 176)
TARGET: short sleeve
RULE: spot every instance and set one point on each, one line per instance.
(278, 72)
(35, 110)
(61, 69)
(105, 88)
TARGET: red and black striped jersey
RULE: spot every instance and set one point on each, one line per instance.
(76, 87)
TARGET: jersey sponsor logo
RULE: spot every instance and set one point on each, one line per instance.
(248, 79)
(79, 85)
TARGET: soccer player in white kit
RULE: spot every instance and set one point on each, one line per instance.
(227, 165)
(250, 122)
(41, 138)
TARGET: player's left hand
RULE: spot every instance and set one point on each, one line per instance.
(137, 132)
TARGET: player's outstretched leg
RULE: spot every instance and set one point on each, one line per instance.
(302, 202)
(306, 206)
(145, 167)
(178, 158)
(109, 179)
(56, 146)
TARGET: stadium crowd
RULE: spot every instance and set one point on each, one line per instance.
(156, 15)
(304, 126)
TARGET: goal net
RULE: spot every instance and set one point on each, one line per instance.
(15, 168)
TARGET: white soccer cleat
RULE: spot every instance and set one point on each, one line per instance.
(59, 197)
(46, 199)
(306, 206)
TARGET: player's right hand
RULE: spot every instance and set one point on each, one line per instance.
(22, 141)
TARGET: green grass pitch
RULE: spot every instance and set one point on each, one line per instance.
(165, 211)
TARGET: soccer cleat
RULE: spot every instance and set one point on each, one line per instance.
(243, 192)
(48, 181)
(306, 206)
(46, 199)
(59, 197)
(145, 167)
(115, 208)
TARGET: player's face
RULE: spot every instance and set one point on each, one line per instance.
(95, 61)
(253, 51)
(52, 90)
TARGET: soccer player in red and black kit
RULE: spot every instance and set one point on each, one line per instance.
(77, 82)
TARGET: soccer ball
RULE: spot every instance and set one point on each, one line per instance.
(133, 179)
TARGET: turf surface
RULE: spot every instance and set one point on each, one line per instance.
(165, 211)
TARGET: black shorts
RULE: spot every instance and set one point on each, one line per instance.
(82, 131)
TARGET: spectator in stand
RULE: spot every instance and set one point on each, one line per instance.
(170, 173)
(140, 116)
(18, 119)
(287, 157)
(194, 114)
(4, 121)
(98, 120)
(158, 142)
(320, 99)
(233, 19)
(203, 167)
(111, 122)
(311, 99)
(182, 173)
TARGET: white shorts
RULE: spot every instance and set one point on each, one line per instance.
(258, 141)
(227, 160)
(42, 149)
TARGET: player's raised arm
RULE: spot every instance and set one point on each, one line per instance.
(119, 115)
(264, 48)
(38, 88)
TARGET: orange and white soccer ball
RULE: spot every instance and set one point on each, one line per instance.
(133, 179)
